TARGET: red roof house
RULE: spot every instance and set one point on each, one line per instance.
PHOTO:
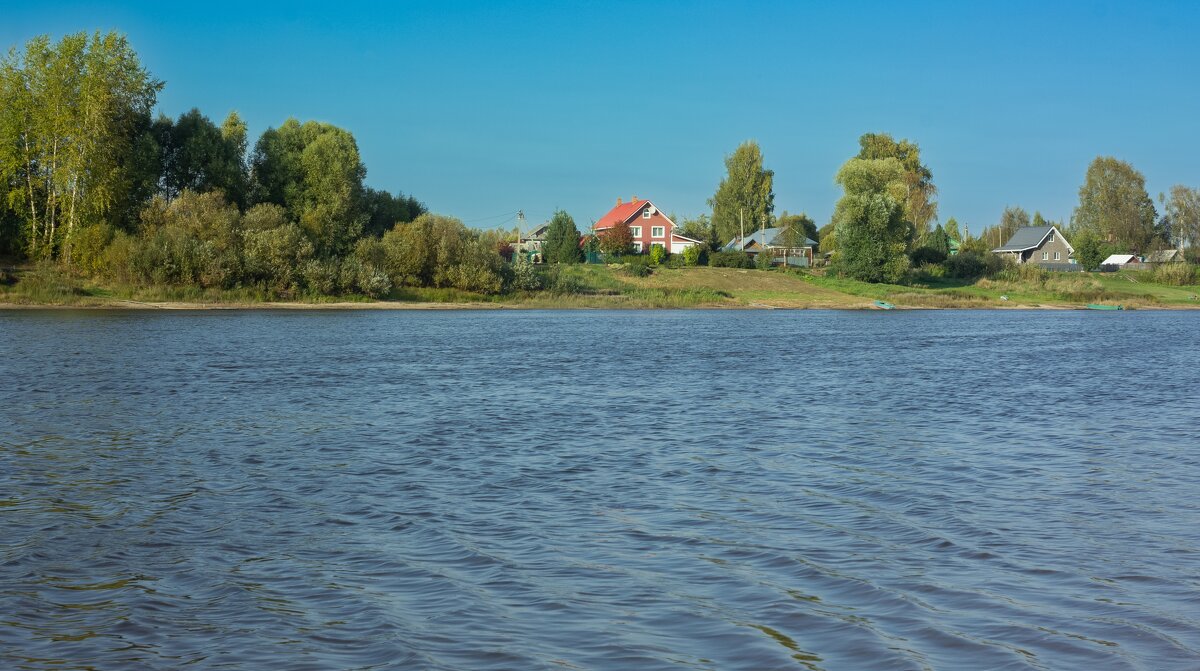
(648, 225)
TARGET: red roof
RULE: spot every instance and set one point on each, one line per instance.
(622, 212)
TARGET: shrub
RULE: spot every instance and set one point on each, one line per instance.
(695, 255)
(730, 259)
(764, 260)
(1176, 274)
(658, 253)
(86, 251)
(970, 265)
(524, 275)
(636, 268)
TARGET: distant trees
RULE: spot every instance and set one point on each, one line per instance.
(701, 228)
(872, 234)
(562, 240)
(1114, 205)
(70, 116)
(1183, 213)
(744, 195)
(198, 156)
(795, 228)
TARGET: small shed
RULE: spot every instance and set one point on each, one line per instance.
(1164, 256)
(1119, 260)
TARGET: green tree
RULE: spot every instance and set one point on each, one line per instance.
(920, 208)
(1091, 249)
(198, 156)
(795, 228)
(314, 171)
(1011, 219)
(701, 228)
(385, 210)
(952, 231)
(71, 116)
(1114, 205)
(1183, 211)
(616, 240)
(562, 240)
(872, 234)
(745, 197)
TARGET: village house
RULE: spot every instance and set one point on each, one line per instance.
(1038, 245)
(1163, 256)
(530, 244)
(773, 241)
(648, 225)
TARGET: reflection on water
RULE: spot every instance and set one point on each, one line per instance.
(650, 490)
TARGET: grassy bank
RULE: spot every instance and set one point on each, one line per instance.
(612, 287)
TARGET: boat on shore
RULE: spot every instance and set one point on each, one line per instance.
(884, 305)
(1099, 306)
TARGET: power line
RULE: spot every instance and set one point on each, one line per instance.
(494, 216)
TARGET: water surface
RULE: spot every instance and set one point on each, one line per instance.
(599, 490)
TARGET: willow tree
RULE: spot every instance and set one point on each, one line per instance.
(920, 208)
(870, 227)
(744, 199)
(70, 123)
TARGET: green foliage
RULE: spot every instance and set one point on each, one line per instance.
(932, 248)
(951, 229)
(695, 255)
(1114, 205)
(438, 251)
(79, 106)
(616, 240)
(1091, 250)
(313, 170)
(701, 228)
(745, 196)
(1183, 211)
(524, 275)
(730, 259)
(971, 264)
(198, 156)
(658, 254)
(636, 266)
(764, 260)
(920, 208)
(562, 240)
(1176, 274)
(796, 228)
(385, 210)
(872, 235)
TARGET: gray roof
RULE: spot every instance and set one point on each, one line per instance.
(1164, 256)
(1025, 238)
(768, 234)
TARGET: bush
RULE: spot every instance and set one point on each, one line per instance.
(969, 265)
(658, 253)
(636, 268)
(1176, 274)
(695, 255)
(524, 275)
(764, 260)
(730, 259)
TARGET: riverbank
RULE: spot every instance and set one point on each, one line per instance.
(603, 287)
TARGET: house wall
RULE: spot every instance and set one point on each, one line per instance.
(1057, 245)
(647, 224)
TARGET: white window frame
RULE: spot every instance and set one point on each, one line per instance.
(635, 231)
(637, 246)
(658, 232)
(1045, 256)
(646, 213)
(1056, 256)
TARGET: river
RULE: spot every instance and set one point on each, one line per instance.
(599, 490)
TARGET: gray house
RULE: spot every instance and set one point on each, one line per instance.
(772, 240)
(1039, 245)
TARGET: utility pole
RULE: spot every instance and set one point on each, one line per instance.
(742, 227)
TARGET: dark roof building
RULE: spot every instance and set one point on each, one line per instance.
(1037, 244)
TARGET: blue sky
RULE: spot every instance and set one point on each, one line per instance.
(483, 108)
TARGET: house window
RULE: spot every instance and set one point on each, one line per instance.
(1045, 256)
(1050, 238)
(637, 247)
(1056, 256)
(635, 231)
(646, 213)
(658, 231)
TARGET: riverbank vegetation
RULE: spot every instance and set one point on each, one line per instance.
(104, 203)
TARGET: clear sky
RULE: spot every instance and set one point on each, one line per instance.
(482, 108)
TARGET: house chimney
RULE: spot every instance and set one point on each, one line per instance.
(633, 199)
(618, 201)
